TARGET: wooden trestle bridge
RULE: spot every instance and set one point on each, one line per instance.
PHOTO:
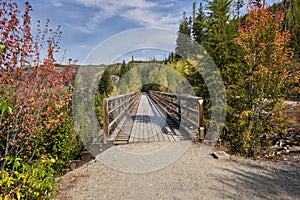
(153, 117)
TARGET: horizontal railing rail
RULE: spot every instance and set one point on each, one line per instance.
(184, 110)
(115, 108)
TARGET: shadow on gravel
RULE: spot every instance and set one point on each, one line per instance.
(268, 181)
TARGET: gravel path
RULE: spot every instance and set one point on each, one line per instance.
(189, 177)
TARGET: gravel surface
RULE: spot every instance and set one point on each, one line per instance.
(189, 177)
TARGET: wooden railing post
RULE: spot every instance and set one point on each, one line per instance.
(179, 108)
(201, 119)
(105, 120)
(114, 109)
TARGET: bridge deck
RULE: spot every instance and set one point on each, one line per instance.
(149, 125)
(146, 124)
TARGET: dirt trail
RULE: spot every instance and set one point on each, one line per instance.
(190, 177)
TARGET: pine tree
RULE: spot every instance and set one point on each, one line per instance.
(194, 11)
(238, 4)
(131, 64)
(105, 86)
(219, 34)
(123, 69)
(183, 41)
(257, 3)
(292, 23)
(198, 25)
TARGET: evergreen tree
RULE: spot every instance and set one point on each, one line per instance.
(194, 11)
(198, 25)
(105, 86)
(258, 3)
(219, 34)
(292, 23)
(238, 4)
(123, 69)
(183, 41)
(131, 64)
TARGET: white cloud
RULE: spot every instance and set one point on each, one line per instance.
(79, 28)
(56, 3)
(85, 46)
(151, 18)
(105, 4)
(142, 12)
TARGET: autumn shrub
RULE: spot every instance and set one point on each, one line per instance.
(260, 83)
(36, 128)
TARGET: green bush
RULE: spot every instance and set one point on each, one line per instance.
(31, 180)
(99, 107)
(61, 143)
(31, 174)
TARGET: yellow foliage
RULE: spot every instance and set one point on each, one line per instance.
(245, 113)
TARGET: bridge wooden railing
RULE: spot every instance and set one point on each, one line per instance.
(184, 110)
(115, 108)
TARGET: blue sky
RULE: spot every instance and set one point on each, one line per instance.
(86, 23)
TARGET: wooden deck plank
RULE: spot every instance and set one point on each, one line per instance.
(144, 118)
(166, 132)
(151, 134)
(131, 137)
(134, 132)
(144, 125)
(149, 125)
(137, 125)
(155, 128)
(140, 129)
(124, 129)
(157, 119)
(159, 130)
(140, 126)
(157, 123)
